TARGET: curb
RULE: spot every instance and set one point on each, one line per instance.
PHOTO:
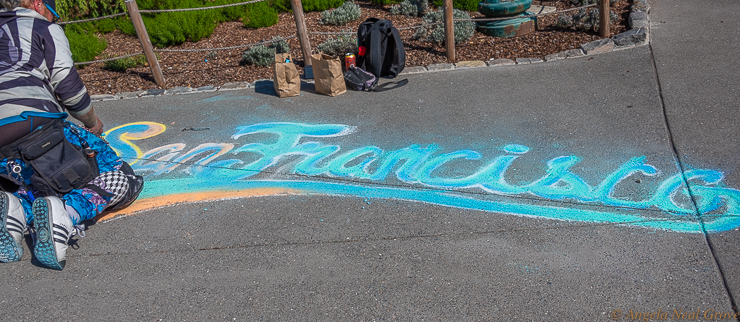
(637, 36)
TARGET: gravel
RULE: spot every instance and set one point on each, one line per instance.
(198, 69)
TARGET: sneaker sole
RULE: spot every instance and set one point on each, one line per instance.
(130, 201)
(9, 249)
(44, 247)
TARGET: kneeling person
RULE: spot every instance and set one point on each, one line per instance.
(53, 174)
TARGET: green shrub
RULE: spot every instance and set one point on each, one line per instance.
(174, 28)
(580, 3)
(321, 5)
(466, 5)
(281, 5)
(167, 29)
(105, 25)
(385, 2)
(347, 12)
(264, 55)
(585, 19)
(410, 8)
(308, 5)
(72, 9)
(281, 46)
(339, 46)
(125, 26)
(260, 15)
(198, 24)
(164, 32)
(120, 65)
(168, 4)
(405, 8)
(260, 56)
(85, 45)
(102, 26)
(463, 29)
(565, 21)
(231, 13)
(420, 33)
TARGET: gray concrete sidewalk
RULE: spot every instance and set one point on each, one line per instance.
(550, 191)
(700, 88)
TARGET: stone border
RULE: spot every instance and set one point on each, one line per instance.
(638, 35)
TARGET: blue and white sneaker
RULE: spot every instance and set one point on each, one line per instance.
(12, 229)
(53, 230)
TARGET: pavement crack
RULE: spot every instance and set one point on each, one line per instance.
(692, 196)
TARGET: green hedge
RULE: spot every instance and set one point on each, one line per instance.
(308, 5)
(84, 43)
(467, 5)
(174, 28)
(260, 15)
(72, 9)
(386, 2)
(121, 65)
(169, 29)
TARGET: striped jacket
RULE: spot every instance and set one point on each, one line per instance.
(37, 75)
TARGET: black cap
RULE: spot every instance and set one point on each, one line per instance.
(52, 5)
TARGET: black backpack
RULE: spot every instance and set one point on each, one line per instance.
(383, 54)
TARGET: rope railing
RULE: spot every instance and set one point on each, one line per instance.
(133, 12)
(225, 48)
(188, 50)
(420, 26)
(107, 59)
(331, 33)
(201, 8)
(354, 33)
(315, 33)
(158, 11)
(92, 19)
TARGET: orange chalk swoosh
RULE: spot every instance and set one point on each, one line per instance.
(171, 200)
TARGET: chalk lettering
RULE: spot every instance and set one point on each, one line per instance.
(297, 148)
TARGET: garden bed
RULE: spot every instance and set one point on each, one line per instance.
(196, 69)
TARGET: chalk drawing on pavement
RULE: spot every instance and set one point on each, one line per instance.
(246, 167)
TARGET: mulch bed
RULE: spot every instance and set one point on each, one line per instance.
(196, 69)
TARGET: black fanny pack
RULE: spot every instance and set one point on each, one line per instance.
(59, 166)
(360, 80)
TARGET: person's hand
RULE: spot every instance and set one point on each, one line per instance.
(98, 128)
(91, 122)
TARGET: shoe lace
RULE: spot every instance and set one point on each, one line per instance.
(78, 230)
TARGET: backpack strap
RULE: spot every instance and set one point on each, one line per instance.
(399, 54)
(374, 56)
(390, 85)
(363, 32)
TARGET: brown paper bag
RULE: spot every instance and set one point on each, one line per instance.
(328, 75)
(287, 81)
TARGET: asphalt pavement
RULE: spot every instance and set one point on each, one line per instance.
(552, 191)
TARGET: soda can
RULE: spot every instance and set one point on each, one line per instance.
(349, 60)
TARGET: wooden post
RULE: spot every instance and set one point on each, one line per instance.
(146, 44)
(604, 20)
(449, 32)
(300, 25)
